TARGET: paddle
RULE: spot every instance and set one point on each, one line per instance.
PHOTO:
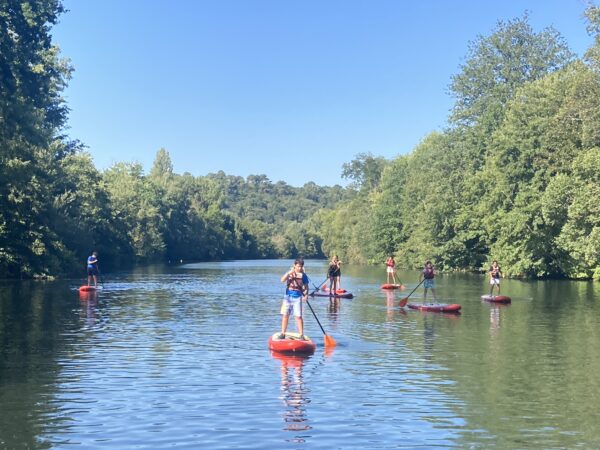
(317, 289)
(329, 341)
(100, 277)
(404, 301)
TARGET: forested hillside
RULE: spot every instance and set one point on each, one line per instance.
(514, 177)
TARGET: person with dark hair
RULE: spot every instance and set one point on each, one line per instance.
(296, 291)
(92, 269)
(428, 274)
(495, 274)
(334, 273)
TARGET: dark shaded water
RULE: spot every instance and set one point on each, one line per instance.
(178, 357)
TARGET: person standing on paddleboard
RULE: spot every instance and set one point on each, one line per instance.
(495, 274)
(334, 273)
(92, 269)
(296, 291)
(428, 274)
(390, 269)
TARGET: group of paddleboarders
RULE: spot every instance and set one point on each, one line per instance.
(427, 276)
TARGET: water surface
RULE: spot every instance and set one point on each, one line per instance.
(177, 357)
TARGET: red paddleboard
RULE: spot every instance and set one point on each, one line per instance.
(291, 344)
(392, 286)
(437, 307)
(337, 291)
(340, 295)
(89, 288)
(496, 298)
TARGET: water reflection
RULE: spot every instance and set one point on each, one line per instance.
(89, 302)
(333, 308)
(390, 296)
(294, 395)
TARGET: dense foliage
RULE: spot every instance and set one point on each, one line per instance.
(515, 176)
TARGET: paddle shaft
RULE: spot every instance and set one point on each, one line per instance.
(329, 341)
(317, 319)
(405, 299)
(319, 287)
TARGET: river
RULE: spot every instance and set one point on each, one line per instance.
(168, 357)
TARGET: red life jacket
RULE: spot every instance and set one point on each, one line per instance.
(295, 283)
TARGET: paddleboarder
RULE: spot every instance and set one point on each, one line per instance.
(334, 273)
(296, 291)
(92, 269)
(428, 275)
(390, 269)
(495, 274)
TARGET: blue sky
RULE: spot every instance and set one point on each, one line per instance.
(289, 89)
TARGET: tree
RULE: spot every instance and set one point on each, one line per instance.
(32, 113)
(498, 64)
(364, 170)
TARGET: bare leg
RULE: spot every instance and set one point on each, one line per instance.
(300, 325)
(284, 323)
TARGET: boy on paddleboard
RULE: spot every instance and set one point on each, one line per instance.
(428, 274)
(92, 268)
(296, 291)
(495, 274)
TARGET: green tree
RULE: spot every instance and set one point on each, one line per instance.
(32, 113)
(364, 170)
(498, 64)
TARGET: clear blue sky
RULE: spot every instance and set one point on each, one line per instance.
(290, 89)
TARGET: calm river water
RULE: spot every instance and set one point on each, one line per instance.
(177, 357)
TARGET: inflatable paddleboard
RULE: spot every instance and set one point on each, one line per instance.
(90, 288)
(291, 344)
(496, 298)
(392, 286)
(337, 291)
(336, 295)
(437, 307)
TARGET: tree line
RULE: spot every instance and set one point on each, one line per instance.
(515, 176)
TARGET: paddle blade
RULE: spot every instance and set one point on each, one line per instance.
(329, 341)
(403, 302)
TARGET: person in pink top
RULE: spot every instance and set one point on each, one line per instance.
(391, 269)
